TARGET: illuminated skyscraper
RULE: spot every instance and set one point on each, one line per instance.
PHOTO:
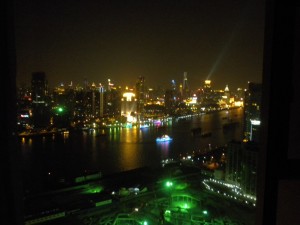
(207, 86)
(185, 87)
(227, 94)
(140, 96)
(173, 85)
(101, 101)
(129, 106)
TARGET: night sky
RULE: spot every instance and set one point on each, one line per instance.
(74, 40)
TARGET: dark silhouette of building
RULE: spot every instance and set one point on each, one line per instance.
(249, 171)
(185, 87)
(252, 108)
(233, 163)
(241, 166)
(40, 100)
(140, 96)
(170, 101)
(39, 87)
(112, 102)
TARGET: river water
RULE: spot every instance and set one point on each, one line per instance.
(60, 158)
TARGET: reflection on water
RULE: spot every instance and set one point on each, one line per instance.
(164, 148)
(118, 149)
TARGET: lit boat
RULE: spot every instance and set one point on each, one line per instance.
(163, 138)
(144, 126)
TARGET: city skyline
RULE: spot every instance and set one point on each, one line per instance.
(277, 181)
(106, 83)
(122, 41)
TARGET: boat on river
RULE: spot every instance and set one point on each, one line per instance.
(164, 138)
(142, 126)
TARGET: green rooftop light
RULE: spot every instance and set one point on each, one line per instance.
(59, 109)
(93, 190)
(169, 183)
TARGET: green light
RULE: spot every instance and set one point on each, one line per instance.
(183, 205)
(205, 212)
(145, 223)
(60, 109)
(169, 184)
(93, 190)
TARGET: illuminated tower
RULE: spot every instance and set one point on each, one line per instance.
(207, 94)
(185, 87)
(207, 86)
(101, 101)
(109, 85)
(180, 92)
(93, 99)
(140, 96)
(173, 83)
(227, 94)
(129, 106)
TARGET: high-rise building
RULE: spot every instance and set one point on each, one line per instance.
(227, 95)
(207, 86)
(129, 106)
(170, 101)
(173, 85)
(241, 166)
(101, 101)
(252, 108)
(233, 167)
(185, 87)
(112, 102)
(242, 158)
(249, 164)
(40, 102)
(140, 96)
(39, 87)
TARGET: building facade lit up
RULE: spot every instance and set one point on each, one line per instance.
(129, 106)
